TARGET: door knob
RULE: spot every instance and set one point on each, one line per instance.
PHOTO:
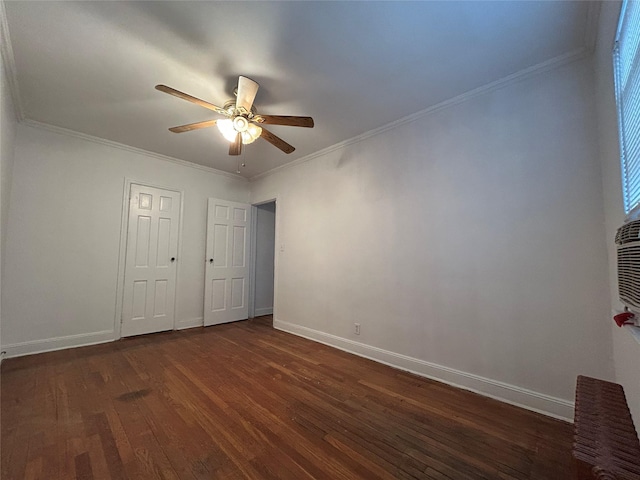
(173, 259)
(211, 260)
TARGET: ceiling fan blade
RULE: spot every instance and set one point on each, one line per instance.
(193, 126)
(235, 148)
(287, 120)
(192, 99)
(247, 90)
(276, 141)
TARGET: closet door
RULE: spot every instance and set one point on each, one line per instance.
(151, 257)
(226, 294)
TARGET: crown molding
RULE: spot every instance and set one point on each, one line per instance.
(545, 66)
(6, 51)
(128, 148)
(590, 38)
(8, 60)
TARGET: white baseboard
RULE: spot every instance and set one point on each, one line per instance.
(72, 341)
(189, 323)
(514, 395)
(57, 343)
(263, 311)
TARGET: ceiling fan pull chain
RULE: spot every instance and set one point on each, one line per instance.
(241, 161)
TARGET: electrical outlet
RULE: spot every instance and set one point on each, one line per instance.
(356, 328)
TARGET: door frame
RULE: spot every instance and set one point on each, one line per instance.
(252, 258)
(122, 249)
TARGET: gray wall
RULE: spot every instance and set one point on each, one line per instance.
(265, 248)
(469, 244)
(8, 126)
(64, 231)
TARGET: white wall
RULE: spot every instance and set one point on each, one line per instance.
(8, 127)
(64, 237)
(469, 244)
(626, 350)
(265, 248)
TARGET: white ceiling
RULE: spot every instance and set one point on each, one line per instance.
(352, 66)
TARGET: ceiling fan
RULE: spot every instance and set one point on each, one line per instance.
(242, 124)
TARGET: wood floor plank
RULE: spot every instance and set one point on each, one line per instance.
(84, 470)
(245, 401)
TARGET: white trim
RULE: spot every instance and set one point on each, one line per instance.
(122, 255)
(58, 343)
(279, 242)
(590, 35)
(8, 60)
(634, 331)
(128, 148)
(512, 394)
(189, 323)
(577, 54)
(634, 214)
(551, 64)
(253, 250)
(122, 250)
(263, 311)
(623, 6)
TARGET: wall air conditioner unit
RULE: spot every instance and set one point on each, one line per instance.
(628, 242)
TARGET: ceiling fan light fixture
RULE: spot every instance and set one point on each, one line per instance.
(226, 129)
(229, 128)
(251, 133)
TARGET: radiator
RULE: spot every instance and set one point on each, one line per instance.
(605, 443)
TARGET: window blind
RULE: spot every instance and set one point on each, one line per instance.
(626, 59)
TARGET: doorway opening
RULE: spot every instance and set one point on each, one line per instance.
(261, 301)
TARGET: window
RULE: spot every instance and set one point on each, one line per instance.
(626, 68)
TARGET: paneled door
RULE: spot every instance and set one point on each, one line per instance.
(226, 292)
(151, 257)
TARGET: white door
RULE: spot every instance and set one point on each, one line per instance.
(150, 265)
(226, 292)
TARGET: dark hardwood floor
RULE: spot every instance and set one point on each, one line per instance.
(243, 400)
